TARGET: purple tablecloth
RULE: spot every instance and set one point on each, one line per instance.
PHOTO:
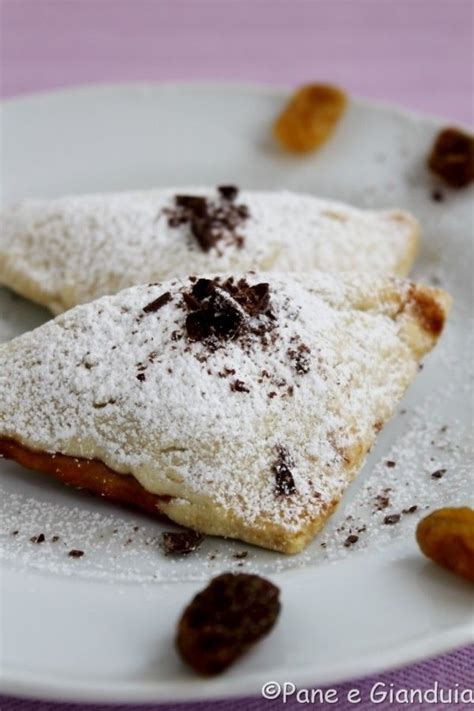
(451, 672)
(414, 52)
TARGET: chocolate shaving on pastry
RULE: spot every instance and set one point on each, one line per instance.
(226, 310)
(284, 481)
(210, 221)
(239, 387)
(157, 304)
(301, 358)
(228, 192)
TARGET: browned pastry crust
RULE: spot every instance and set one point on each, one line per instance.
(88, 474)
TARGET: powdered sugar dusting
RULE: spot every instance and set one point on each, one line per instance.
(72, 250)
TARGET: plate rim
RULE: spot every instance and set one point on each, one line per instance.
(201, 689)
(278, 90)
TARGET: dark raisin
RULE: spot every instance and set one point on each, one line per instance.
(233, 612)
(452, 157)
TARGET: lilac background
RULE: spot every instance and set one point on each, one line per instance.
(413, 52)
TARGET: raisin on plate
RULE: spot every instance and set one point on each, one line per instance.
(452, 157)
(310, 117)
(447, 537)
(233, 612)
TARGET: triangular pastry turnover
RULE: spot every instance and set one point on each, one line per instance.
(72, 250)
(240, 407)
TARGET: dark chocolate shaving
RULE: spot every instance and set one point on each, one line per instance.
(228, 192)
(239, 386)
(300, 358)
(180, 542)
(350, 540)
(210, 222)
(220, 311)
(390, 520)
(382, 500)
(158, 303)
(202, 289)
(197, 205)
(75, 554)
(219, 319)
(284, 481)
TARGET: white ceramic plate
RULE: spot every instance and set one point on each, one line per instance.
(101, 627)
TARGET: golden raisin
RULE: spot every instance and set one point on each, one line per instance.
(447, 537)
(310, 117)
(452, 157)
